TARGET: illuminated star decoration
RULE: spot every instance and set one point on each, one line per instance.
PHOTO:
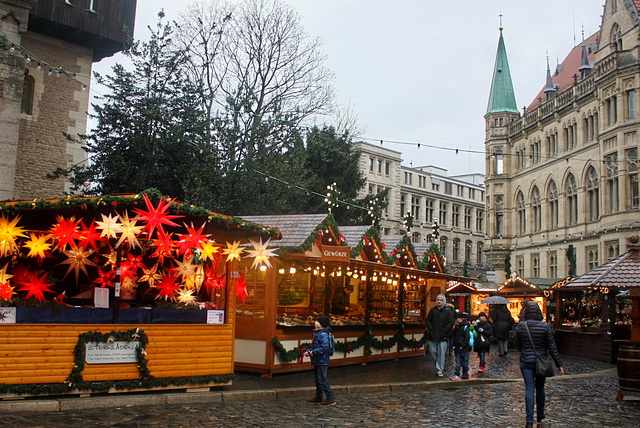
(9, 231)
(185, 269)
(129, 231)
(37, 245)
(78, 259)
(109, 226)
(192, 239)
(164, 244)
(64, 232)
(105, 279)
(6, 291)
(35, 286)
(208, 250)
(155, 217)
(233, 251)
(150, 275)
(261, 254)
(4, 276)
(213, 281)
(241, 288)
(90, 236)
(186, 296)
(168, 287)
(195, 280)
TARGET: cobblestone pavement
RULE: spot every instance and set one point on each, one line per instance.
(575, 400)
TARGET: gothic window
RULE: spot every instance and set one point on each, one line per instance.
(443, 246)
(553, 265)
(456, 250)
(631, 104)
(520, 265)
(535, 263)
(479, 220)
(537, 210)
(416, 238)
(616, 38)
(480, 249)
(593, 194)
(613, 248)
(468, 245)
(632, 171)
(553, 205)
(522, 215)
(611, 166)
(572, 199)
(28, 92)
(592, 258)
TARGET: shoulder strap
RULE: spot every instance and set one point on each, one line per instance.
(530, 338)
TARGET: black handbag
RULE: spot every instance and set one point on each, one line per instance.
(544, 366)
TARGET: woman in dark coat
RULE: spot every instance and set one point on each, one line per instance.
(543, 341)
(503, 324)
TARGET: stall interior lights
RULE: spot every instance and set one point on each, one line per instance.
(281, 271)
(375, 277)
(292, 270)
(263, 268)
(395, 282)
(315, 272)
(384, 279)
(363, 278)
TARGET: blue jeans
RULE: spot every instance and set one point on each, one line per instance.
(322, 382)
(482, 360)
(534, 391)
(462, 362)
(438, 351)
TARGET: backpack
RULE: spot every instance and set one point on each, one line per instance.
(471, 334)
(332, 344)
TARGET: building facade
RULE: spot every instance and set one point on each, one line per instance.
(561, 182)
(47, 49)
(426, 193)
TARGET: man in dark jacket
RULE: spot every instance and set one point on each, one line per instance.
(439, 323)
(534, 337)
(319, 354)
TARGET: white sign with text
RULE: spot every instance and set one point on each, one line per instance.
(110, 353)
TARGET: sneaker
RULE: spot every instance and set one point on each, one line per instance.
(328, 402)
(465, 376)
(440, 374)
(454, 377)
(481, 369)
(315, 400)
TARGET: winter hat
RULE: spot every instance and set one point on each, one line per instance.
(464, 315)
(324, 321)
(444, 299)
(482, 314)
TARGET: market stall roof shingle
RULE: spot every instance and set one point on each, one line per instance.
(296, 229)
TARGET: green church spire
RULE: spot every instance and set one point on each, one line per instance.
(502, 98)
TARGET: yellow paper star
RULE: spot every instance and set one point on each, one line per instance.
(261, 254)
(37, 245)
(129, 231)
(207, 250)
(233, 251)
(78, 259)
(109, 226)
(4, 276)
(186, 296)
(196, 280)
(8, 234)
(150, 275)
(185, 269)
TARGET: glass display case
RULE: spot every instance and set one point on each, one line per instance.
(254, 303)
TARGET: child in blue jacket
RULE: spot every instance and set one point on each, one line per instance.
(462, 345)
(319, 353)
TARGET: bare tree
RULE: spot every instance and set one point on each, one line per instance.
(346, 121)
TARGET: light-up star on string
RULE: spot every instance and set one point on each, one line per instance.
(89, 236)
(186, 296)
(233, 251)
(65, 232)
(185, 269)
(195, 280)
(241, 288)
(35, 285)
(164, 245)
(4, 276)
(261, 253)
(129, 231)
(208, 250)
(167, 287)
(193, 239)
(78, 259)
(110, 226)
(213, 281)
(150, 275)
(6, 291)
(105, 279)
(9, 232)
(37, 245)
(155, 217)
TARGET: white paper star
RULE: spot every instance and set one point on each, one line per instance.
(261, 254)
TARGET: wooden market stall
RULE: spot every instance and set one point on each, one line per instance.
(518, 289)
(315, 269)
(117, 293)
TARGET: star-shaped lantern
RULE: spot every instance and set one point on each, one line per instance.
(35, 285)
(155, 217)
(89, 236)
(105, 279)
(185, 269)
(6, 291)
(186, 296)
(38, 245)
(129, 231)
(167, 287)
(261, 254)
(233, 251)
(9, 232)
(65, 232)
(150, 275)
(241, 288)
(193, 239)
(208, 250)
(4, 276)
(164, 244)
(78, 260)
(110, 226)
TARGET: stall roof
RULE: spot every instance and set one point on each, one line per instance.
(295, 229)
(391, 241)
(354, 234)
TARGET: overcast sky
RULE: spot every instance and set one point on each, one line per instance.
(419, 71)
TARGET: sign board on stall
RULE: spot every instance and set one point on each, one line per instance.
(335, 253)
(8, 315)
(110, 353)
(101, 297)
(215, 316)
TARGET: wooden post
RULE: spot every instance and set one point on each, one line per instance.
(635, 314)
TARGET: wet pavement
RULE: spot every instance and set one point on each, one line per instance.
(383, 394)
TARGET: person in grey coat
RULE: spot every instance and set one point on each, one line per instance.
(440, 324)
(542, 342)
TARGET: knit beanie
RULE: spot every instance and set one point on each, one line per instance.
(324, 321)
(444, 299)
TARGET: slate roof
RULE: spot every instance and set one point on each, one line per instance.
(354, 234)
(391, 241)
(563, 75)
(295, 229)
(623, 271)
(502, 97)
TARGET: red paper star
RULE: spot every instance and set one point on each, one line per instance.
(168, 287)
(213, 281)
(6, 291)
(192, 239)
(36, 286)
(156, 217)
(164, 244)
(89, 236)
(65, 232)
(241, 288)
(105, 279)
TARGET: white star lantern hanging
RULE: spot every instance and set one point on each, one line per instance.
(261, 254)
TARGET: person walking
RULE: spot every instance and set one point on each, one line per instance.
(534, 337)
(439, 324)
(319, 354)
(482, 343)
(503, 326)
(462, 345)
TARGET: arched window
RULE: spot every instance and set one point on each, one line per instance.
(456, 250)
(468, 245)
(480, 249)
(632, 171)
(443, 246)
(593, 194)
(416, 238)
(611, 167)
(553, 205)
(537, 209)
(616, 38)
(572, 199)
(28, 91)
(522, 215)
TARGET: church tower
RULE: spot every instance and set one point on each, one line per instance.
(501, 111)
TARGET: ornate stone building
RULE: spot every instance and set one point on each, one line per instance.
(47, 48)
(562, 178)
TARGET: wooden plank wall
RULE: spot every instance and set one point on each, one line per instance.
(43, 353)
